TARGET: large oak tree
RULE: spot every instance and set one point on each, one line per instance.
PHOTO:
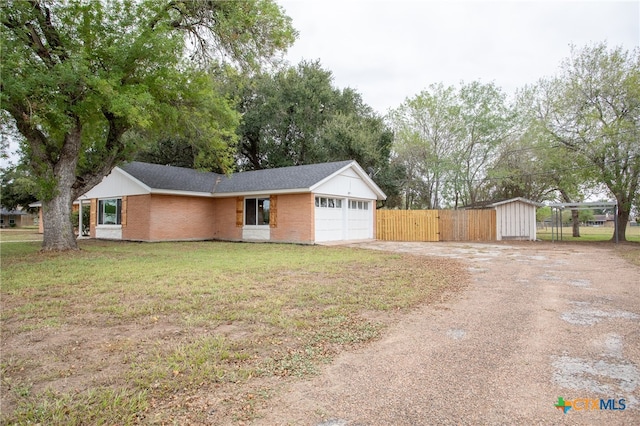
(593, 110)
(86, 82)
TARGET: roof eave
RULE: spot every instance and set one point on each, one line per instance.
(512, 200)
(155, 191)
(261, 192)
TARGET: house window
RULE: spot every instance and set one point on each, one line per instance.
(110, 211)
(256, 211)
(332, 203)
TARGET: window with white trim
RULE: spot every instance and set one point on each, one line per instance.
(358, 205)
(256, 211)
(330, 203)
(110, 211)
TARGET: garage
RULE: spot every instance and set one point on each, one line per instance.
(343, 219)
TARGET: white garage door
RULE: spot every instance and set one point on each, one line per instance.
(360, 220)
(340, 219)
(330, 215)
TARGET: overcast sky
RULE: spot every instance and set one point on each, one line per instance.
(389, 50)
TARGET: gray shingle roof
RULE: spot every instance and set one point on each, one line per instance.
(157, 176)
(294, 177)
(181, 179)
(15, 212)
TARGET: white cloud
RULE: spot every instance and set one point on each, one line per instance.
(392, 49)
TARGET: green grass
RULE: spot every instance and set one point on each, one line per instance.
(588, 233)
(126, 332)
(20, 234)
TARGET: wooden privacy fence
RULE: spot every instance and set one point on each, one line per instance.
(436, 225)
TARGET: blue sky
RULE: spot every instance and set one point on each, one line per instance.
(389, 50)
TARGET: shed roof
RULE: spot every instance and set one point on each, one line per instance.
(513, 200)
(493, 204)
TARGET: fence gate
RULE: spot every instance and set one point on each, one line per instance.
(407, 225)
(467, 225)
(436, 225)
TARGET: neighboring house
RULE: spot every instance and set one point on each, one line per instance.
(15, 218)
(10, 218)
(301, 204)
(602, 220)
(515, 218)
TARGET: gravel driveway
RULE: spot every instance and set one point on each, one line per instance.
(538, 321)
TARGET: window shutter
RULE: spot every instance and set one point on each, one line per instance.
(273, 211)
(123, 212)
(239, 205)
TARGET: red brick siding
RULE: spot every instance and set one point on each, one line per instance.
(295, 219)
(225, 219)
(137, 218)
(179, 218)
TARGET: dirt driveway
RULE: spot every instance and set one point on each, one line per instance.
(538, 321)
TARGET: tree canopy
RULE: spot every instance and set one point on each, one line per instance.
(446, 139)
(592, 110)
(86, 83)
(296, 116)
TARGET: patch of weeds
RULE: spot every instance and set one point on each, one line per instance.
(22, 390)
(97, 406)
(209, 359)
(297, 362)
(348, 331)
(34, 325)
(318, 345)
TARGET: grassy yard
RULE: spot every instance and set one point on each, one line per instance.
(20, 234)
(189, 333)
(589, 233)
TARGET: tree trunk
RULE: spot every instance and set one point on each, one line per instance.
(576, 223)
(56, 210)
(624, 211)
(56, 217)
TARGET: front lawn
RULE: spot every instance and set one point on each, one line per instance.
(189, 333)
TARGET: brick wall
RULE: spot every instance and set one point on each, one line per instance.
(225, 220)
(179, 218)
(295, 219)
(138, 216)
(167, 217)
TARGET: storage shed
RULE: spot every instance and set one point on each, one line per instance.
(515, 219)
